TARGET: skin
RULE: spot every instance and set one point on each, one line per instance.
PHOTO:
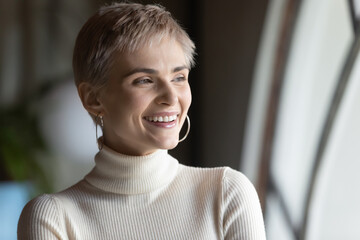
(152, 81)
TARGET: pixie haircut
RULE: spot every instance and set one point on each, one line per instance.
(123, 28)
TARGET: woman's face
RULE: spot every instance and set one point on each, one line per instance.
(146, 99)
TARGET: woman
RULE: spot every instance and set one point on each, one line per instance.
(131, 64)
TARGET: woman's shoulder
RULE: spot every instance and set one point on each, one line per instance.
(49, 204)
(238, 201)
(37, 213)
(226, 173)
(44, 214)
(43, 206)
(201, 172)
(40, 203)
(225, 177)
(233, 179)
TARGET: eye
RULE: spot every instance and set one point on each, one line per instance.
(180, 78)
(142, 81)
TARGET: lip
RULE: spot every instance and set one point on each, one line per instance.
(163, 124)
(163, 114)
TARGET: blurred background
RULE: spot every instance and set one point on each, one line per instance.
(276, 93)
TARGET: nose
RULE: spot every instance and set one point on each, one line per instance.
(167, 95)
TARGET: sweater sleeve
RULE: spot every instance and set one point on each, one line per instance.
(40, 220)
(242, 216)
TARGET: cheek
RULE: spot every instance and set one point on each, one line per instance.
(187, 98)
(118, 104)
(136, 103)
(139, 101)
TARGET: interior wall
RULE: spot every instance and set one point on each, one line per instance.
(230, 34)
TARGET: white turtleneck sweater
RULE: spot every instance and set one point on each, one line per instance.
(147, 197)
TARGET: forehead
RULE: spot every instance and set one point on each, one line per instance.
(162, 56)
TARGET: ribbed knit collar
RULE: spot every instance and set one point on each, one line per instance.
(123, 174)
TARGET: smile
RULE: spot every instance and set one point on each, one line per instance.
(165, 119)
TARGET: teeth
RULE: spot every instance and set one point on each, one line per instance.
(161, 119)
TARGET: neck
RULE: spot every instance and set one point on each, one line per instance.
(119, 173)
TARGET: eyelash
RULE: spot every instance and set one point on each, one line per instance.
(148, 80)
(143, 81)
(179, 79)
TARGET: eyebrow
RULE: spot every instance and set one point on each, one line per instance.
(178, 69)
(152, 71)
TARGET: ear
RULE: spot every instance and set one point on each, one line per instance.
(89, 98)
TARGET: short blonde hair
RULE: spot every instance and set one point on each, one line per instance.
(123, 27)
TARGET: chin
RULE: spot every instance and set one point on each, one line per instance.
(171, 147)
(168, 144)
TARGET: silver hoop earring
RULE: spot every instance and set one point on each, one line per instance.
(188, 129)
(99, 121)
